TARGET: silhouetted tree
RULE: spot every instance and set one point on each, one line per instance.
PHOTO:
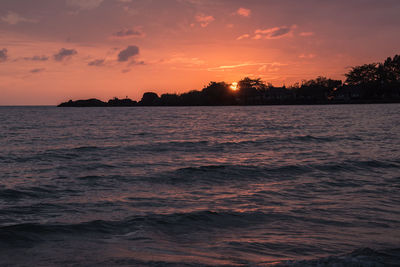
(376, 80)
(218, 93)
(84, 103)
(149, 99)
(115, 102)
(192, 98)
(251, 91)
(365, 74)
(318, 89)
(391, 69)
(169, 100)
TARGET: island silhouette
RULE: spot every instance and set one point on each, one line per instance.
(368, 83)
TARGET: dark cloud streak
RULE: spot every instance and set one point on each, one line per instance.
(128, 33)
(37, 70)
(128, 53)
(97, 62)
(37, 58)
(64, 53)
(280, 32)
(3, 55)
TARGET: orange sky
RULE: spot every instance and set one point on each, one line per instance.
(55, 50)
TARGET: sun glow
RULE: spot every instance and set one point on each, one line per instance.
(234, 86)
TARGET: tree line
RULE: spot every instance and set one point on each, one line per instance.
(368, 83)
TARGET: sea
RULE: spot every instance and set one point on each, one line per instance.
(200, 186)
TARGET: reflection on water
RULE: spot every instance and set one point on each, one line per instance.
(209, 185)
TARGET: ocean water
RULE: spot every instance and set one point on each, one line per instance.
(200, 186)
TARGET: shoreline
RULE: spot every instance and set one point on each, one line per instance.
(90, 103)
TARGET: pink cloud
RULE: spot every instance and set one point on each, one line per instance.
(204, 20)
(128, 33)
(273, 33)
(262, 68)
(244, 12)
(244, 36)
(247, 64)
(84, 4)
(306, 34)
(309, 56)
(13, 18)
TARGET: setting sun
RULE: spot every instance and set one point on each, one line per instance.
(234, 86)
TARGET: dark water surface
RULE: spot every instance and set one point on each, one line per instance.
(200, 185)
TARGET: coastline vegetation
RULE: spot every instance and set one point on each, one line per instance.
(368, 83)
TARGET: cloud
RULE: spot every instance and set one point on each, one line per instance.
(3, 55)
(128, 33)
(273, 33)
(97, 62)
(204, 20)
(84, 4)
(130, 11)
(248, 64)
(37, 58)
(128, 53)
(262, 68)
(64, 53)
(306, 34)
(244, 12)
(195, 2)
(181, 59)
(134, 62)
(34, 71)
(309, 56)
(13, 18)
(244, 36)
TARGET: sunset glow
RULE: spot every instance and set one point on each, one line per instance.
(234, 86)
(55, 50)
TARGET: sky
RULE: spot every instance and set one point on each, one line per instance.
(55, 50)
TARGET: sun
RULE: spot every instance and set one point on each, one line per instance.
(234, 86)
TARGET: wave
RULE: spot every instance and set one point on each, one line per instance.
(328, 175)
(359, 257)
(169, 224)
(33, 193)
(363, 257)
(226, 173)
(275, 142)
(216, 174)
(150, 228)
(11, 194)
